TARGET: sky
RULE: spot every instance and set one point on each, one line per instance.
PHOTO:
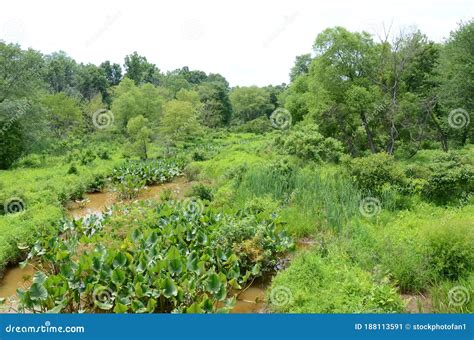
(248, 42)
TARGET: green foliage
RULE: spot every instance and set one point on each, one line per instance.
(258, 125)
(202, 191)
(306, 285)
(451, 178)
(171, 261)
(306, 142)
(251, 102)
(139, 134)
(151, 171)
(373, 172)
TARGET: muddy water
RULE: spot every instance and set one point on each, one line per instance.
(252, 298)
(94, 203)
(14, 278)
(249, 300)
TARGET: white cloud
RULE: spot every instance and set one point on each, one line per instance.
(249, 42)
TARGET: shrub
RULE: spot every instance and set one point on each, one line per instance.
(103, 154)
(450, 248)
(306, 142)
(315, 284)
(72, 170)
(204, 192)
(191, 171)
(451, 178)
(87, 157)
(374, 172)
(30, 161)
(259, 125)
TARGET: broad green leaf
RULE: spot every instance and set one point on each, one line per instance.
(195, 308)
(169, 288)
(118, 276)
(120, 308)
(120, 260)
(38, 292)
(213, 283)
(175, 266)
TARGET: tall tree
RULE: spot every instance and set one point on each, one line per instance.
(140, 70)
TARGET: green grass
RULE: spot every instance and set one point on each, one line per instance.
(43, 191)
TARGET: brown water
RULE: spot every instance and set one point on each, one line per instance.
(14, 278)
(252, 298)
(249, 300)
(97, 202)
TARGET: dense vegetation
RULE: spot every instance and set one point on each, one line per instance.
(352, 185)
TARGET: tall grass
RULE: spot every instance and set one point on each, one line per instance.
(311, 198)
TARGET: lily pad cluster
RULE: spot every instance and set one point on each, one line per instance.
(145, 257)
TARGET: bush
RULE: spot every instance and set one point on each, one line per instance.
(87, 157)
(30, 161)
(72, 170)
(306, 142)
(259, 125)
(315, 284)
(451, 178)
(103, 154)
(450, 249)
(373, 173)
(202, 191)
(191, 171)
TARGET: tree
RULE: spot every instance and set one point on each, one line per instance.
(251, 102)
(60, 72)
(21, 72)
(112, 72)
(217, 110)
(131, 100)
(139, 134)
(456, 76)
(63, 114)
(301, 66)
(180, 121)
(90, 81)
(140, 70)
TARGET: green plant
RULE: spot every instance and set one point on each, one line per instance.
(191, 171)
(451, 178)
(129, 186)
(72, 170)
(306, 142)
(202, 191)
(170, 261)
(330, 284)
(374, 172)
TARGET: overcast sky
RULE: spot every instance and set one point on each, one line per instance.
(248, 42)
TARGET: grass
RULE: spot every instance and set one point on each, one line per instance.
(43, 192)
(357, 263)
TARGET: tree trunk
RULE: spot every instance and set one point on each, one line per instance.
(370, 138)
